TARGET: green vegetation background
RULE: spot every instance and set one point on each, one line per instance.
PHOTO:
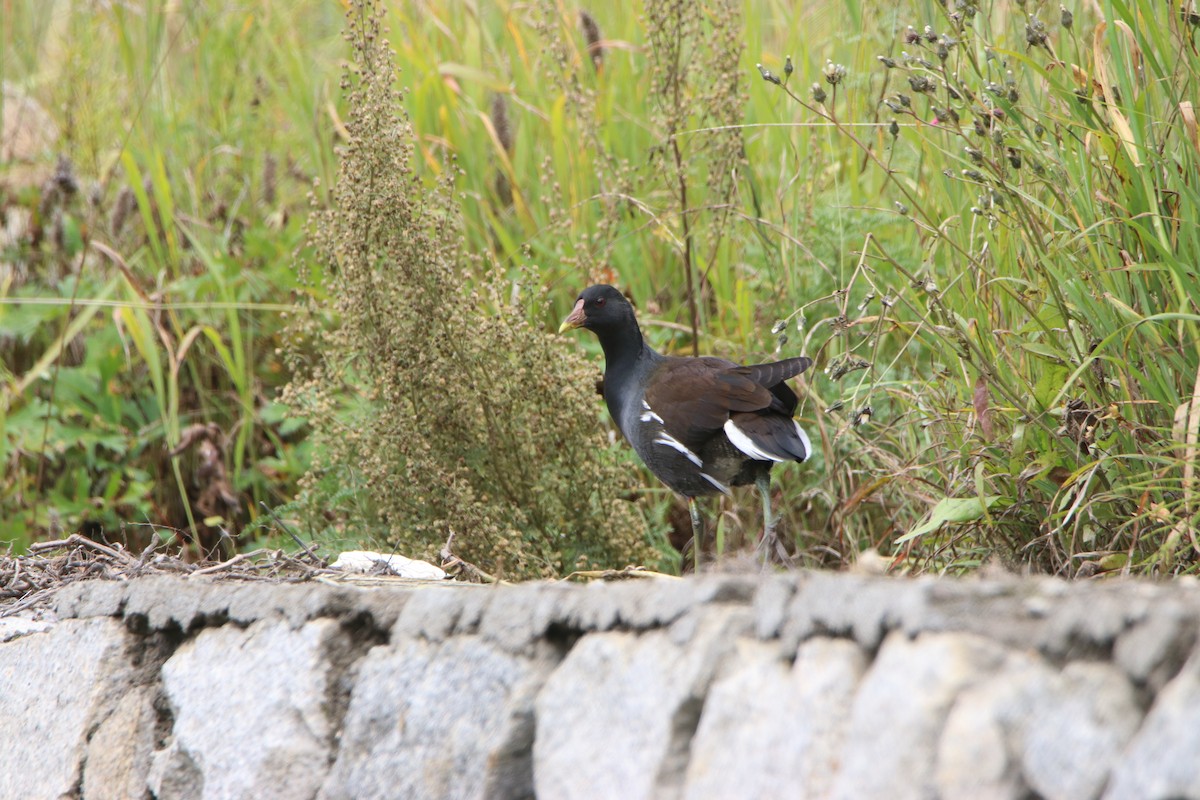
(979, 217)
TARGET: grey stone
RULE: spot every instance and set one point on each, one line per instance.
(24, 624)
(476, 601)
(863, 608)
(246, 603)
(1005, 611)
(55, 687)
(251, 713)
(431, 614)
(899, 711)
(118, 753)
(1030, 728)
(511, 619)
(1154, 649)
(1076, 730)
(979, 750)
(617, 716)
(450, 719)
(773, 729)
(1163, 759)
(641, 604)
(770, 605)
(196, 601)
(999, 688)
(164, 601)
(1085, 624)
(84, 599)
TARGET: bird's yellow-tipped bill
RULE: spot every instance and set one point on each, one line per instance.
(575, 319)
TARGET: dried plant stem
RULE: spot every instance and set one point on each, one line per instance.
(693, 306)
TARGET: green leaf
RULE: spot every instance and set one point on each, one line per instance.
(952, 509)
(1045, 351)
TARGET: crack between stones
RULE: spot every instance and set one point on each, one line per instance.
(146, 651)
(358, 634)
(684, 723)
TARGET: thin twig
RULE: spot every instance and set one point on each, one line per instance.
(227, 565)
(618, 574)
(320, 562)
(75, 540)
(456, 566)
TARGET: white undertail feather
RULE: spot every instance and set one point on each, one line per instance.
(804, 438)
(675, 444)
(744, 443)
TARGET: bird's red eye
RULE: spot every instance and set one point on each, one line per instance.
(600, 301)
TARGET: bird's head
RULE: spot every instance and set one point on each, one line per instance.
(600, 309)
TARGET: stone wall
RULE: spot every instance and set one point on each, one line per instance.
(796, 686)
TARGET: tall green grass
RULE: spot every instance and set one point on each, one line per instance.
(1005, 321)
(1006, 317)
(192, 135)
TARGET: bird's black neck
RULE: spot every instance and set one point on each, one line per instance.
(623, 348)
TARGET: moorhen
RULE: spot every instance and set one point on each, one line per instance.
(700, 424)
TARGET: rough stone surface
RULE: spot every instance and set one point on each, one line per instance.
(1030, 728)
(23, 625)
(250, 713)
(117, 758)
(860, 608)
(448, 719)
(899, 711)
(1163, 760)
(1154, 649)
(54, 687)
(768, 723)
(1078, 724)
(617, 716)
(799, 685)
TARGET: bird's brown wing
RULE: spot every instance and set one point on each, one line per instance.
(774, 376)
(777, 372)
(695, 396)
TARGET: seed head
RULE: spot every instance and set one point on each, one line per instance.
(920, 83)
(768, 76)
(1035, 33)
(834, 73)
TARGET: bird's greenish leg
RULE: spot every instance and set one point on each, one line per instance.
(768, 542)
(697, 532)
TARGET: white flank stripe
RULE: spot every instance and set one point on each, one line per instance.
(672, 442)
(720, 486)
(649, 414)
(744, 443)
(804, 438)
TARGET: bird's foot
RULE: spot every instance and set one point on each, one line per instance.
(771, 549)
